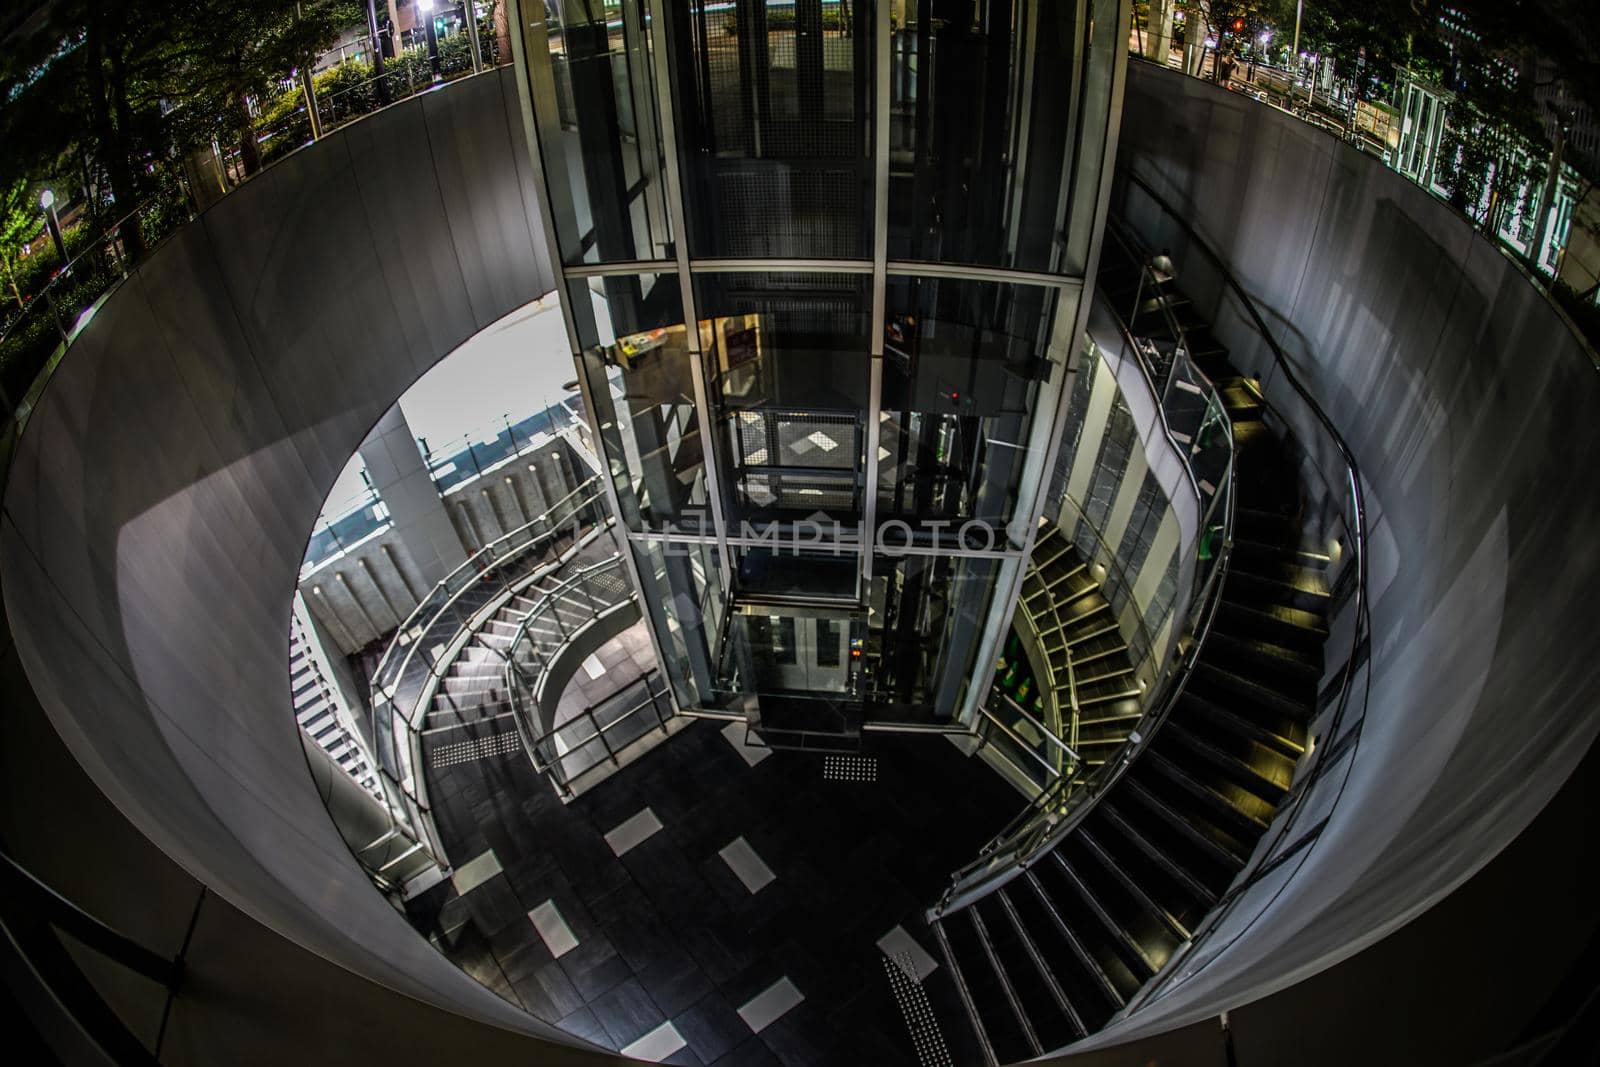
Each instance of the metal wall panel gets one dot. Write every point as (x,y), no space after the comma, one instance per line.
(1470,405)
(164,487)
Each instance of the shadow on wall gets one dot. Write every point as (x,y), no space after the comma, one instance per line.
(161,495)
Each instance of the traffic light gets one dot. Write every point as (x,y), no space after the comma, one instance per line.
(1238,25)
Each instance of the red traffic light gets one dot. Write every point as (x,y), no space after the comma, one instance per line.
(1238,24)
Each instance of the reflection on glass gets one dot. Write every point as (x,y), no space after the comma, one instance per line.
(592,84)
(788,382)
(684,595)
(963,366)
(622,306)
(643,394)
(927,616)
(774,114)
(981,117)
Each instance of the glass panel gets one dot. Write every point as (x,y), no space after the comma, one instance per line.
(643,392)
(981,124)
(788,381)
(592,83)
(786,569)
(684,596)
(774,116)
(963,366)
(926,620)
(604,309)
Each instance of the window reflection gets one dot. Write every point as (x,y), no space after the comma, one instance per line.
(774,117)
(599,133)
(980,117)
(962,367)
(788,372)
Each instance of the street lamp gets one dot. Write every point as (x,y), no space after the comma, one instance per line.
(425,9)
(47,204)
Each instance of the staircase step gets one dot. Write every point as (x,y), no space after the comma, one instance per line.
(1285,739)
(1219,852)
(1225,687)
(1179,874)
(1133,954)
(1047,975)
(1256,791)
(1087,961)
(1289,627)
(1003,981)
(1289,667)
(1242,826)
(1257,557)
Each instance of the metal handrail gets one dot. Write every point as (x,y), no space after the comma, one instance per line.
(1059,808)
(1034,722)
(1362,632)
(1019,741)
(383,678)
(551,597)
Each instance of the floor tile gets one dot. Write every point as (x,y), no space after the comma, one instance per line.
(627,1013)
(582,1023)
(744,862)
(553,929)
(658,1044)
(903,948)
(475,872)
(711,1027)
(753,754)
(674,982)
(766,1007)
(595,968)
(633,831)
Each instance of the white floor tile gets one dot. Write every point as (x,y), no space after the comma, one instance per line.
(749,867)
(753,754)
(633,831)
(657,1045)
(473,873)
(769,1005)
(897,945)
(558,936)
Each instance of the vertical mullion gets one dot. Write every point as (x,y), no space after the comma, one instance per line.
(535,28)
(680,232)
(880,279)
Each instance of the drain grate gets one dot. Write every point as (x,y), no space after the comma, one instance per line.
(501,744)
(850,768)
(926,1037)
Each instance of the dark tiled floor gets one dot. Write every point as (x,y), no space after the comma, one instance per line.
(625,657)
(669,932)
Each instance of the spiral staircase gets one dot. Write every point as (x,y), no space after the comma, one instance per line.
(1055,953)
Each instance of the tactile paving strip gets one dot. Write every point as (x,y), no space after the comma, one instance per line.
(850,768)
(501,744)
(926,1037)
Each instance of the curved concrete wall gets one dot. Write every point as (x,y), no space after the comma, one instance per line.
(1471,407)
(163,490)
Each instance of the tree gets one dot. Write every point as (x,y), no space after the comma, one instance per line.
(87,79)
(232,56)
(20,223)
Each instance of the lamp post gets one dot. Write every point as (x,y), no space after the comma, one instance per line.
(425,9)
(52,221)
(1294,49)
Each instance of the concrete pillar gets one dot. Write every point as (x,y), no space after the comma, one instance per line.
(1158,31)
(400,476)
